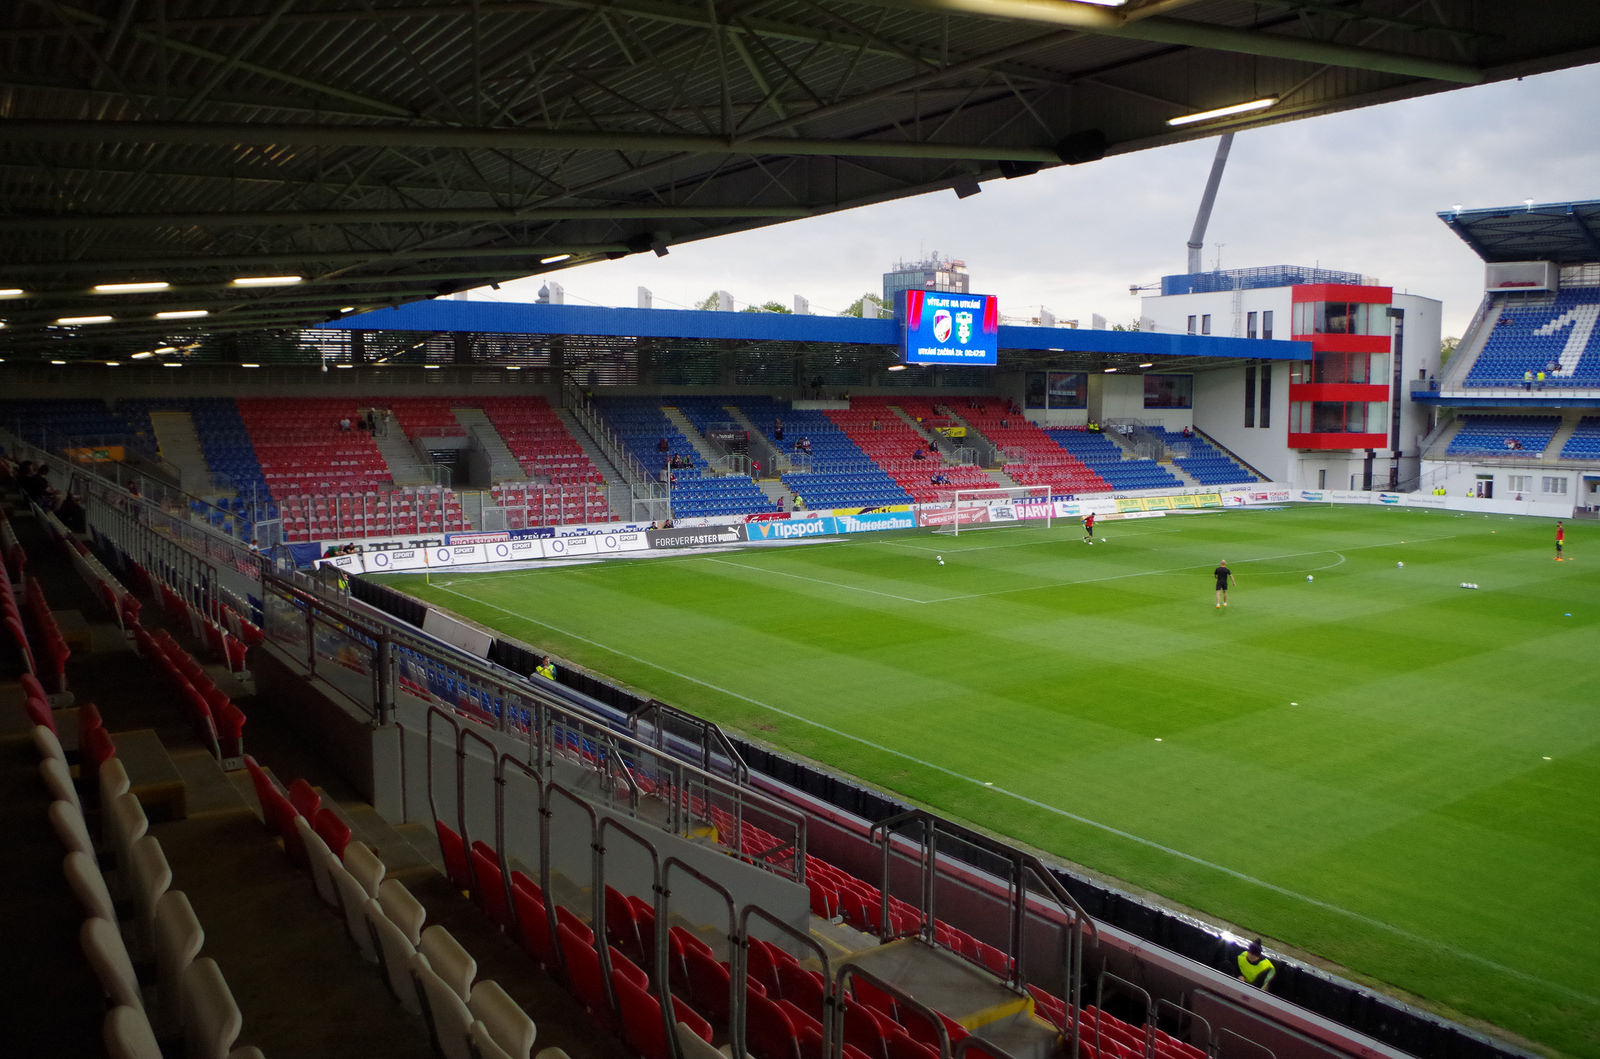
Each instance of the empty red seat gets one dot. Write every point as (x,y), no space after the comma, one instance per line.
(488,884)
(304,798)
(454,851)
(332,830)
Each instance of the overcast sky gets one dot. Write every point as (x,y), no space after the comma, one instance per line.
(1356,191)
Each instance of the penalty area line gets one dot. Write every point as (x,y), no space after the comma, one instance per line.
(1232,873)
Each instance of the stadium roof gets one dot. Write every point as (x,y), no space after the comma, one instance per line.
(523,333)
(1567,233)
(383,151)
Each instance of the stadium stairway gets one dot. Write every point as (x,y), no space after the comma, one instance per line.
(179,444)
(609,470)
(300,985)
(405,468)
(707,456)
(503,466)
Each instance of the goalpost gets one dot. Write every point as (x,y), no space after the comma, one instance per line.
(989,507)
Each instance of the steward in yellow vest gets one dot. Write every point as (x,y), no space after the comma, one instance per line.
(1254,968)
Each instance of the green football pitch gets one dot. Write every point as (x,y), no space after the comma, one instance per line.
(1359,760)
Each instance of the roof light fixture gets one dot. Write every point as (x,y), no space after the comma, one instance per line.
(267,281)
(143,354)
(11,292)
(1224,112)
(248,365)
(1148,364)
(555,259)
(171,364)
(897,367)
(164,350)
(58,362)
(130,288)
(74,321)
(182,314)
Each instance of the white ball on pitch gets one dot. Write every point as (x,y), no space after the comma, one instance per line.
(1102,540)
(1310,578)
(1400,565)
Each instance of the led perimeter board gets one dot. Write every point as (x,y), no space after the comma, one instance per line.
(941,327)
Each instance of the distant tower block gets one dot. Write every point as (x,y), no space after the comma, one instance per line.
(801,306)
(724,301)
(869,309)
(1097,322)
(1046,317)
(553,293)
(646,299)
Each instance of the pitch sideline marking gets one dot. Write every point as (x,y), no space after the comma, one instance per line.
(1058,811)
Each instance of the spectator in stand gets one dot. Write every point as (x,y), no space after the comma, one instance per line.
(344,423)
(546,668)
(918,454)
(777,428)
(663,446)
(804,445)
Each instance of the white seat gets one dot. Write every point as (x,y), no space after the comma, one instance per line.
(103,947)
(56,776)
(693,1046)
(113,782)
(46,743)
(211,1019)
(126,825)
(353,899)
(396,951)
(447,1012)
(484,1043)
(128,1035)
(505,1020)
(178,938)
(319,855)
(449,960)
(149,877)
(361,862)
(70,828)
(403,910)
(89,885)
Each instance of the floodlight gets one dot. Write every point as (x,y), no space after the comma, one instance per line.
(1224,112)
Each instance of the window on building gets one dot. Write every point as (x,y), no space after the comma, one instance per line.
(1520,483)
(1250,325)
(1249,395)
(1555,486)
(1068,389)
(1205,324)
(1169,391)
(1265,419)
(1191,325)
(1266,323)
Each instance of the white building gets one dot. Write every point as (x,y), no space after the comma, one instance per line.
(1341,420)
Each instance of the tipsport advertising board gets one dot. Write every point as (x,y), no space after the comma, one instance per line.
(942,327)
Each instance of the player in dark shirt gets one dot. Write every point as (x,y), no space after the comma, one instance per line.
(1223,576)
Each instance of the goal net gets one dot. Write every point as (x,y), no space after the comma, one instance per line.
(956,510)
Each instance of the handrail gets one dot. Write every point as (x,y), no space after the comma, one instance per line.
(850,970)
(712,732)
(1149,1023)
(1183,1013)
(663,892)
(739,969)
(1056,890)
